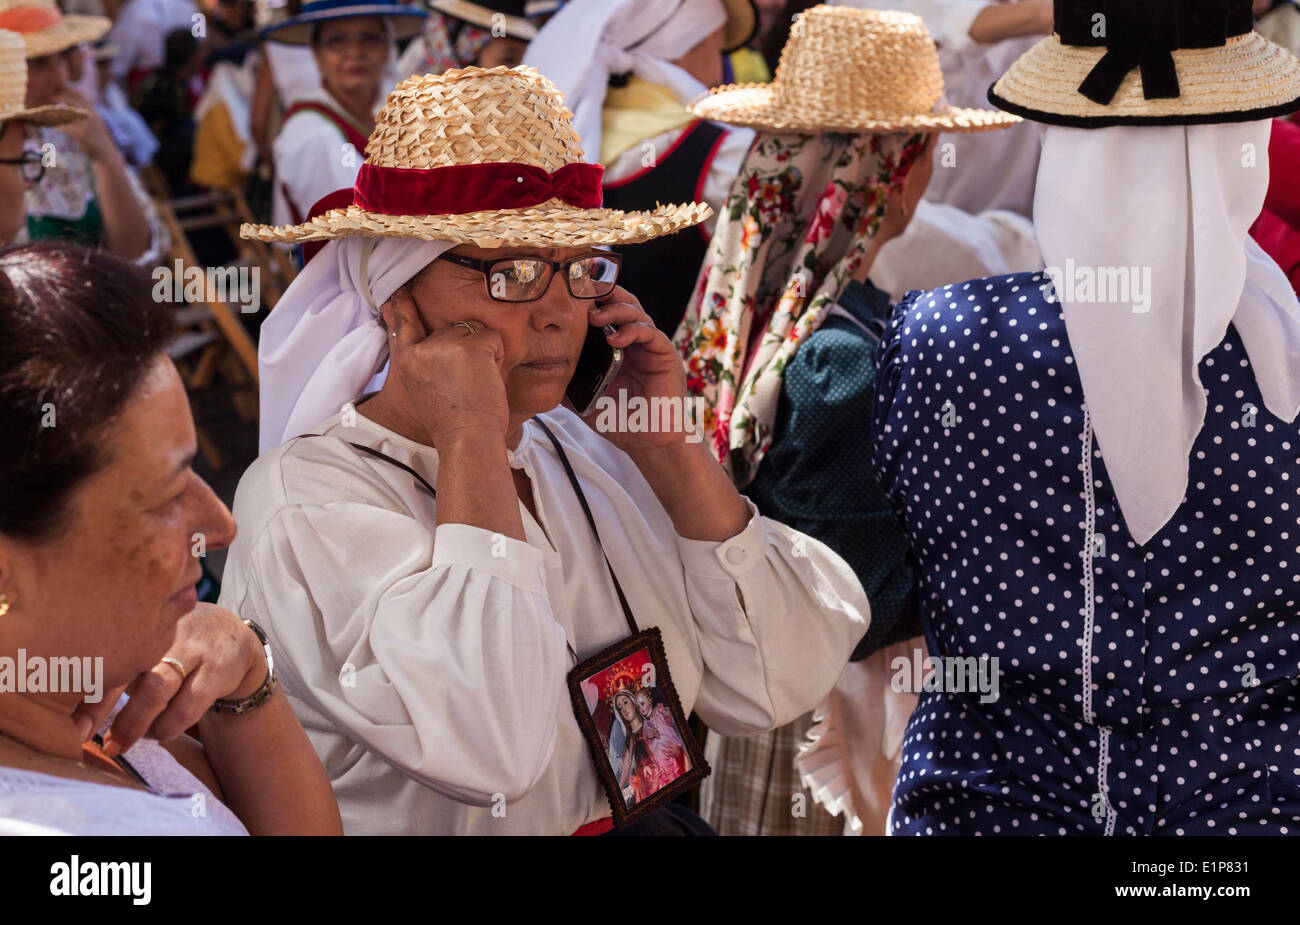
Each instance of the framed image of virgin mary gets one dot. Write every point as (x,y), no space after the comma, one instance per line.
(633,722)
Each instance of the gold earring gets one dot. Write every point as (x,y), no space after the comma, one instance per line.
(4,605)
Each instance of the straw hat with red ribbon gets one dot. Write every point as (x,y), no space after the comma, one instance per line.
(479,156)
(45,30)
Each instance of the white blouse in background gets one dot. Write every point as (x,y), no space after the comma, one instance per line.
(427,663)
(312,159)
(980,170)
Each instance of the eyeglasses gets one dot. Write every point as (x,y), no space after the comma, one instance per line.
(526,279)
(32,165)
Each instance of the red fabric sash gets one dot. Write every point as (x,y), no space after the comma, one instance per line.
(350,131)
(599,827)
(462,188)
(459,189)
(339,199)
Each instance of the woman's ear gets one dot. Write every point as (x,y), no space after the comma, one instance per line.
(8,569)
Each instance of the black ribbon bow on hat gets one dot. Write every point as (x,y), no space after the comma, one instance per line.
(1144,34)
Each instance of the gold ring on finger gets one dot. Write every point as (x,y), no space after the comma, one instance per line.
(467,326)
(175,663)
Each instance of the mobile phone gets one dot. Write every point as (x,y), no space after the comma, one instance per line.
(598,364)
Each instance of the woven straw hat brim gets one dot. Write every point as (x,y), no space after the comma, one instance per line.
(755,106)
(46,115)
(552,224)
(1247,79)
(516,27)
(71,30)
(406,22)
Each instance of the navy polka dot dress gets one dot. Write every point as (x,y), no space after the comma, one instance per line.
(1142,690)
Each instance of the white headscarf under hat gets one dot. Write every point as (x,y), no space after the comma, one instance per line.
(590,40)
(1178,201)
(325,341)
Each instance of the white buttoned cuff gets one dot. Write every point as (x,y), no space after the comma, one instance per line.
(731,558)
(503,557)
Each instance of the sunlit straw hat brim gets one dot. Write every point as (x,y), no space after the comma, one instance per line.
(756,106)
(407,22)
(516,27)
(70,31)
(852,71)
(552,224)
(476,120)
(45,115)
(1247,79)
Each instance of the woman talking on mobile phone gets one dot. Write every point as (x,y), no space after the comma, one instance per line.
(439,550)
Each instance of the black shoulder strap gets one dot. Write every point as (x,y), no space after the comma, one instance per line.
(573,479)
(586,509)
(384,456)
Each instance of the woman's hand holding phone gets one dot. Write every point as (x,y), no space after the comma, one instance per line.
(695,491)
(652,368)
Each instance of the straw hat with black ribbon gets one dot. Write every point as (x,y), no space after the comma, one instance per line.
(1155,156)
(479,156)
(45,29)
(13,88)
(404,21)
(1154,62)
(850,70)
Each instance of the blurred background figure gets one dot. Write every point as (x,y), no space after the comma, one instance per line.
(130,132)
(140,31)
(232,22)
(1279,22)
(225,152)
(88,194)
(165,99)
(628,69)
(20,165)
(283,73)
(322,142)
(460,33)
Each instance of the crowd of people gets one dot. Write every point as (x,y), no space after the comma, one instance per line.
(909,444)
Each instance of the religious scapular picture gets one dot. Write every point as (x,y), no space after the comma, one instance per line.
(644,751)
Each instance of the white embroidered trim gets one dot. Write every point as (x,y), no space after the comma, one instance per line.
(1090,525)
(1103,768)
(1089,617)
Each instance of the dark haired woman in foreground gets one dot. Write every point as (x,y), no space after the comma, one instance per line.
(99,514)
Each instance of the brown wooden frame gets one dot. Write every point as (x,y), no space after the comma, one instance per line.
(647,639)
